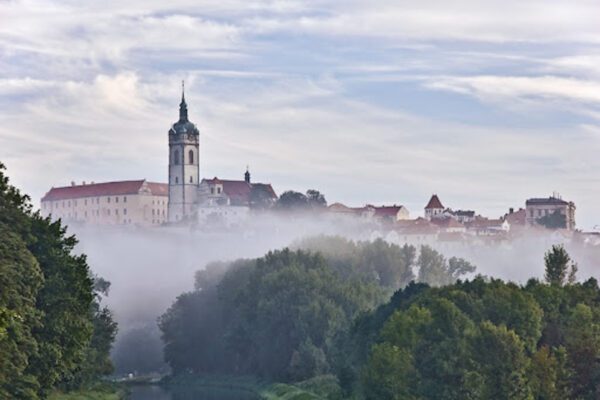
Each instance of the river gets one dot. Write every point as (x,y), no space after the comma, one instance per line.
(154,392)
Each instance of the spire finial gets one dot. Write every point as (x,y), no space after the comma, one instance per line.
(247,174)
(183,112)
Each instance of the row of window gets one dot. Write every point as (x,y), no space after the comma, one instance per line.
(177,161)
(69,203)
(541,213)
(191,179)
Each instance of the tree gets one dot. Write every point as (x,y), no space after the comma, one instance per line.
(20,281)
(292,201)
(49,321)
(558,262)
(435,270)
(556,220)
(316,199)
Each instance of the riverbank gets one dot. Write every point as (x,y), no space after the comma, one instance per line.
(250,388)
(103,391)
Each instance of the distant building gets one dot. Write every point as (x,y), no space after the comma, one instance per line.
(488,227)
(221,192)
(449,225)
(538,208)
(391,213)
(434,208)
(516,218)
(136,202)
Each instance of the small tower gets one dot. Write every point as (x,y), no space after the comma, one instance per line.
(434,208)
(184,165)
(247,176)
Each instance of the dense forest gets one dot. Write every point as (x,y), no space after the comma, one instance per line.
(320,316)
(54,333)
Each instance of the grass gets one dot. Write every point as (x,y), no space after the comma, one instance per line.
(98,392)
(253,387)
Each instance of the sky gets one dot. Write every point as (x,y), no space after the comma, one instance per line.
(486,103)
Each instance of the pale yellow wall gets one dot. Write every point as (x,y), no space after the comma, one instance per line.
(131,209)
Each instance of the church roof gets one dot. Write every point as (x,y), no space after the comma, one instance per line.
(239,191)
(184,125)
(105,189)
(434,202)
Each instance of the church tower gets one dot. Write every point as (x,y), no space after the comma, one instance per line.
(184,165)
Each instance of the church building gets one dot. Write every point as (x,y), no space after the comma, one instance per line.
(190,197)
(186,198)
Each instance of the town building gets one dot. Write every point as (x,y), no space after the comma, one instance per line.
(136,202)
(434,208)
(538,210)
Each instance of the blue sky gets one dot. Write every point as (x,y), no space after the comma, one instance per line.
(485,103)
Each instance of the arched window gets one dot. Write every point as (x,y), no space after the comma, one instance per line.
(176,157)
(191,156)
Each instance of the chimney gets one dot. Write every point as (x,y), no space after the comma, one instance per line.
(511,210)
(83,183)
(72,183)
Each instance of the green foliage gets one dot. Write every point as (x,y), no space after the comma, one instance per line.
(296,201)
(289,315)
(20,281)
(435,270)
(52,329)
(556,220)
(558,262)
(485,340)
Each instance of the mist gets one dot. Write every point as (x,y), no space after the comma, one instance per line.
(150,267)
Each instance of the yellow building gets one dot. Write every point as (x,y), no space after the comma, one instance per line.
(110,203)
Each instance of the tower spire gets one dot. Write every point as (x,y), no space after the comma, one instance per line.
(183,112)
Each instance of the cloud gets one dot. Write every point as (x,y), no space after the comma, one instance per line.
(540,88)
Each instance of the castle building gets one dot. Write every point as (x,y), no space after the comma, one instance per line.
(186,198)
(137,202)
(537,209)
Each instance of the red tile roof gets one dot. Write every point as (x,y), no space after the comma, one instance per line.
(434,202)
(239,191)
(387,211)
(447,223)
(104,189)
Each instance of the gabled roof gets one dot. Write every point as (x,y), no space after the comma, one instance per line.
(239,191)
(387,211)
(104,189)
(434,202)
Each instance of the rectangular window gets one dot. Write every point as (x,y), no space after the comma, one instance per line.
(116,211)
(108,199)
(85,202)
(124,199)
(124,211)
(116,199)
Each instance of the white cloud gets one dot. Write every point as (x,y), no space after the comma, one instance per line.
(542,88)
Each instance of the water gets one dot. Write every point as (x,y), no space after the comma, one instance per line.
(152,392)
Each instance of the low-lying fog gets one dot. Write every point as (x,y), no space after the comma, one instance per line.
(149,268)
